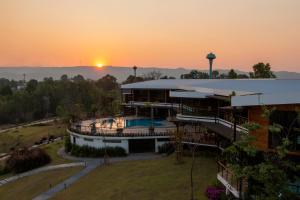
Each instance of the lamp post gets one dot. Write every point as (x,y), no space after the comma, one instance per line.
(211,58)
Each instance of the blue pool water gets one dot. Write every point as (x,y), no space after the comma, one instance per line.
(142,122)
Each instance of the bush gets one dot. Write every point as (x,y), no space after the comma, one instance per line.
(87,151)
(26,159)
(68,144)
(167,148)
(214,193)
(3,170)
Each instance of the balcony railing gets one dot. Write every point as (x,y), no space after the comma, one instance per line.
(152,104)
(200,138)
(295,188)
(213,115)
(88,130)
(228,179)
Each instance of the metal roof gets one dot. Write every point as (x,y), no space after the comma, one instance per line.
(247,91)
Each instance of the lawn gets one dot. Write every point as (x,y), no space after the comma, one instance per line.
(27,136)
(29,187)
(52,149)
(148,180)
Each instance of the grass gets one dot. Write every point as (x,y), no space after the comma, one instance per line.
(27,136)
(148,180)
(52,149)
(29,187)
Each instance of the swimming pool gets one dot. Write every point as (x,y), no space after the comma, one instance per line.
(142,122)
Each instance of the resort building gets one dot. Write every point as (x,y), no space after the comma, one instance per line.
(221,106)
(208,113)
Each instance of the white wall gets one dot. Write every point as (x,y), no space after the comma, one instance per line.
(97,141)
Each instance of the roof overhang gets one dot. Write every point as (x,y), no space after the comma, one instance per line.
(266,99)
(188,94)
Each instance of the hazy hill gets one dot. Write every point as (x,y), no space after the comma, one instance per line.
(121,73)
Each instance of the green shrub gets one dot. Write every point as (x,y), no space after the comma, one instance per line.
(86,151)
(3,170)
(26,159)
(68,144)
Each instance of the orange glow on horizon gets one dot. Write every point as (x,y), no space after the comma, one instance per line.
(169,33)
(99,65)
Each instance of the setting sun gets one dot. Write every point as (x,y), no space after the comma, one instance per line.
(99,65)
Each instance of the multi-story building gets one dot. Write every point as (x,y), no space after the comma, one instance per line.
(222,106)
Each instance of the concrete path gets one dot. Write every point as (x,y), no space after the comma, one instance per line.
(39,170)
(44,121)
(63,185)
(91,163)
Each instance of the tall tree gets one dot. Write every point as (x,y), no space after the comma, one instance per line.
(232,74)
(195,74)
(262,70)
(215,74)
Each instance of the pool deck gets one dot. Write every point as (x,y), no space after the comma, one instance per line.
(165,127)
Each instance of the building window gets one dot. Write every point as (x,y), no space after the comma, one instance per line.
(163,139)
(112,141)
(288,120)
(88,139)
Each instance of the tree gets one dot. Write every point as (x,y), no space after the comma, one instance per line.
(5,90)
(195,74)
(64,77)
(107,82)
(261,70)
(31,85)
(223,76)
(78,78)
(232,74)
(167,77)
(242,76)
(153,75)
(268,173)
(133,79)
(215,74)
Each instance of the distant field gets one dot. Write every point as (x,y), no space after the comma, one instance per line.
(29,187)
(144,180)
(27,136)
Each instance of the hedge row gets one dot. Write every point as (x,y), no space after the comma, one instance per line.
(86,151)
(26,159)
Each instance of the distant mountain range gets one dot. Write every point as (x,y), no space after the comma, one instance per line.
(121,73)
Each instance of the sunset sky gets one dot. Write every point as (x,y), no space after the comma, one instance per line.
(150,33)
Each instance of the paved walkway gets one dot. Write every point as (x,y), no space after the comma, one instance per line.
(43,121)
(91,164)
(63,185)
(39,170)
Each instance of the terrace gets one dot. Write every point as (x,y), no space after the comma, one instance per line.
(125,127)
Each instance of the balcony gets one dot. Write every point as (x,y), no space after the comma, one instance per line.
(233,185)
(217,120)
(151,104)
